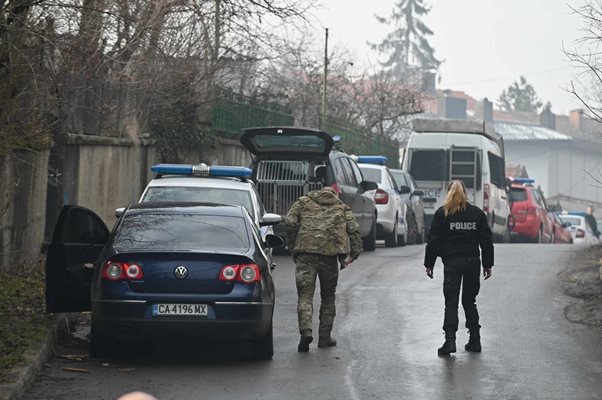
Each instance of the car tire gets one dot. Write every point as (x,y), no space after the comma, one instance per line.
(553,237)
(412,231)
(539,238)
(422,235)
(391,239)
(263,347)
(369,242)
(101,345)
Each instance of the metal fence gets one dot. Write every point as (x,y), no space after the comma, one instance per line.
(355,141)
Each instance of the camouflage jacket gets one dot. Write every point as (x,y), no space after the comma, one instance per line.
(321,223)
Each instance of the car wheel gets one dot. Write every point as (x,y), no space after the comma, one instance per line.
(540,235)
(392,238)
(102,345)
(412,232)
(553,238)
(370,240)
(263,347)
(422,235)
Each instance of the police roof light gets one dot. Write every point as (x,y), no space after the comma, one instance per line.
(380,160)
(202,170)
(524,181)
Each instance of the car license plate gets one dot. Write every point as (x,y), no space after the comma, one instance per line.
(198,310)
(429,205)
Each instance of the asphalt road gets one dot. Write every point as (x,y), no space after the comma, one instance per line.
(388,328)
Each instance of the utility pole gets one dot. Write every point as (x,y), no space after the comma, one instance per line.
(325,83)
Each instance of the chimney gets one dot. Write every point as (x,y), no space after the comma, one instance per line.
(576,117)
(452,107)
(547,118)
(487,110)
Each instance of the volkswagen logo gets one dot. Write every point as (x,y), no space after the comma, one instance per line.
(181,272)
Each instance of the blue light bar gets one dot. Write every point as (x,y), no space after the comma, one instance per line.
(202,170)
(380,160)
(524,181)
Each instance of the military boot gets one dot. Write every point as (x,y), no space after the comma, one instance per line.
(474,341)
(305,340)
(449,346)
(327,341)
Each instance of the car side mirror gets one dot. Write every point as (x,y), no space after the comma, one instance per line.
(119,211)
(551,208)
(272,241)
(566,224)
(270,219)
(366,186)
(418,193)
(404,189)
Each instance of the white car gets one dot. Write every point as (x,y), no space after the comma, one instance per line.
(580,230)
(391,224)
(228,185)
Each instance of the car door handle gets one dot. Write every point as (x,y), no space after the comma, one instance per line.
(503,197)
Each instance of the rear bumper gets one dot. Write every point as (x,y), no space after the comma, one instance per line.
(527,229)
(124,319)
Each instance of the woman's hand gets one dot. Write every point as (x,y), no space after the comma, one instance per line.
(487,273)
(429,272)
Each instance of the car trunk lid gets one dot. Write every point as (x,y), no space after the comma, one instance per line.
(287,142)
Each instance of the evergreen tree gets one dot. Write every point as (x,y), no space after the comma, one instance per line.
(520,96)
(407,45)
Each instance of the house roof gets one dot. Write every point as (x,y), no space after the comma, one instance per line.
(517,131)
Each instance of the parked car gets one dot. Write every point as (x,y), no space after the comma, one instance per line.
(207,184)
(413,198)
(562,231)
(580,230)
(529,210)
(166,270)
(288,162)
(391,223)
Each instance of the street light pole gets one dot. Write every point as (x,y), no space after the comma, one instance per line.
(325,83)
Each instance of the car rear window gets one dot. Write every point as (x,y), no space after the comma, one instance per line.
(575,221)
(181,231)
(518,194)
(428,165)
(372,174)
(199,194)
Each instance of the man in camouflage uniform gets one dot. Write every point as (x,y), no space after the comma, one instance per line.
(321,232)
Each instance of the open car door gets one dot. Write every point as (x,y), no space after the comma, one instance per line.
(276,142)
(79,237)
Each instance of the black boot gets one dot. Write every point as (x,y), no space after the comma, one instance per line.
(327,341)
(305,340)
(474,342)
(449,346)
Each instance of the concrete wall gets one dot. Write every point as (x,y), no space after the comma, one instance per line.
(561,167)
(22,207)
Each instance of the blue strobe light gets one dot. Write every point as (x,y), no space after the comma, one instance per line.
(202,170)
(524,181)
(380,160)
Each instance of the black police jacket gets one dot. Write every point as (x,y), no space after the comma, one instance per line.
(459,235)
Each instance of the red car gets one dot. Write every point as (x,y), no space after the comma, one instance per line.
(562,232)
(529,210)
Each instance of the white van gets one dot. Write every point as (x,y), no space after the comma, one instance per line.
(440,150)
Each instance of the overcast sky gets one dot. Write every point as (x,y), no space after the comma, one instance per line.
(485,44)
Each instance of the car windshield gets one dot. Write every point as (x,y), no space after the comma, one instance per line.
(575,221)
(371,174)
(181,231)
(199,194)
(518,194)
(428,165)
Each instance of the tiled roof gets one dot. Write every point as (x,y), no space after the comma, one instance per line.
(516,131)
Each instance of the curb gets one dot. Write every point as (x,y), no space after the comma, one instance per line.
(35,358)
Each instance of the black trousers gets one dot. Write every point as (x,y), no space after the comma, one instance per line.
(467,269)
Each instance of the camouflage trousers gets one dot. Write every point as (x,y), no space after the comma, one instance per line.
(310,266)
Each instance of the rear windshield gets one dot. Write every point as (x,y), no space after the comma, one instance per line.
(428,165)
(199,194)
(575,221)
(517,194)
(372,174)
(181,232)
(308,143)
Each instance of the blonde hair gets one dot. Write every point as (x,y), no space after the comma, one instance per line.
(455,201)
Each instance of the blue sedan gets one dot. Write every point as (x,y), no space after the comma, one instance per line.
(166,269)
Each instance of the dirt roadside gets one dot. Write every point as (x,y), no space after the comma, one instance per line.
(582,281)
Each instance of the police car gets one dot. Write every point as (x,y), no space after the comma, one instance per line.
(208,184)
(391,223)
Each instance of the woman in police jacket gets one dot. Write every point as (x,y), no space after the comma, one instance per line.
(457,231)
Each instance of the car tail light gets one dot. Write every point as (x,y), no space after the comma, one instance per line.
(245,273)
(336,188)
(531,211)
(118,271)
(580,233)
(486,197)
(381,197)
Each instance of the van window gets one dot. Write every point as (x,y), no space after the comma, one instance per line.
(496,169)
(428,165)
